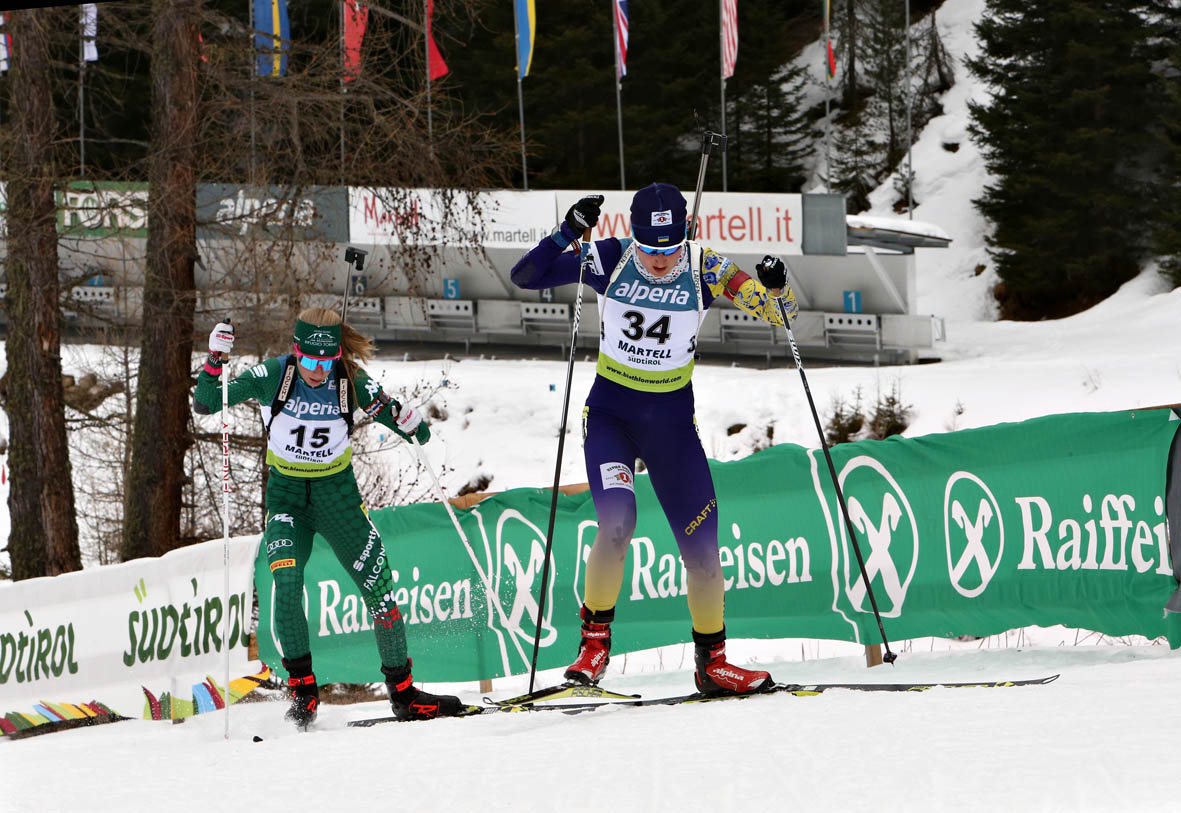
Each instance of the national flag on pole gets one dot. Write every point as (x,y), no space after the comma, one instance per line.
(356,17)
(438,67)
(272,37)
(729,37)
(89,22)
(620,38)
(831,58)
(5,43)
(526,16)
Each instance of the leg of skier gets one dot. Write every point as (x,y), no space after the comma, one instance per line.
(288,540)
(343,522)
(610,463)
(681,479)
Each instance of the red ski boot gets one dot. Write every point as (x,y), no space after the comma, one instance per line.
(305,694)
(594,652)
(716,676)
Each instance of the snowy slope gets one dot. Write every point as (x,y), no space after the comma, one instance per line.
(1100,738)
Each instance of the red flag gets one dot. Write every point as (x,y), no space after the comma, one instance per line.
(438,67)
(729,37)
(832,61)
(356,17)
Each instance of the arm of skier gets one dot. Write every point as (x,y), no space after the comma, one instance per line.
(387,411)
(549,265)
(724,278)
(260,381)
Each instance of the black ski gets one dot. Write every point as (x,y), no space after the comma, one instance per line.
(541,700)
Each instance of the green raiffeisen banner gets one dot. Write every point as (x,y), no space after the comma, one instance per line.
(1059,520)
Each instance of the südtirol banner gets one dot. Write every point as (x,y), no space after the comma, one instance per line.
(108,633)
(1058,520)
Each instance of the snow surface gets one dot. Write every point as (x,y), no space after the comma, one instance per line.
(1103,737)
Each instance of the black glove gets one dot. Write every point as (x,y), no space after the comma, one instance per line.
(772,273)
(584,214)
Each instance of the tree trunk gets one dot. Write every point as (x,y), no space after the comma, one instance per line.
(43,540)
(162,435)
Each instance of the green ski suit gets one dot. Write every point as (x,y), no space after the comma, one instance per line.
(310,489)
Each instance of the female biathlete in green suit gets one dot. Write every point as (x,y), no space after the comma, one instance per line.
(311,488)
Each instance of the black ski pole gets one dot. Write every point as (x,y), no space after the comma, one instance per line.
(355,257)
(553,507)
(889,657)
(709,140)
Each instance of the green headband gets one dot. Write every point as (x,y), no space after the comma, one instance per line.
(320,341)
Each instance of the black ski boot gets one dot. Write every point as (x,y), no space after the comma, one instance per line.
(410,703)
(305,694)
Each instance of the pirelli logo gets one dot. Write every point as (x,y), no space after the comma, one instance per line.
(280,563)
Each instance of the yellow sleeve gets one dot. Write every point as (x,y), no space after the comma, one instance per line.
(724,278)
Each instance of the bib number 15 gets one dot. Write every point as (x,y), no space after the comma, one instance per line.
(319,437)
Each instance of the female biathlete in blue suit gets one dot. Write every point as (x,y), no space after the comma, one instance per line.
(654,289)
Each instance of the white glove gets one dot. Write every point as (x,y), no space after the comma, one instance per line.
(221,340)
(408,419)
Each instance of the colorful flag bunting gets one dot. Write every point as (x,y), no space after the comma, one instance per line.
(729,37)
(356,18)
(438,67)
(526,17)
(272,37)
(89,20)
(620,38)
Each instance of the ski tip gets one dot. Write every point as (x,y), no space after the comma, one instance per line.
(257,738)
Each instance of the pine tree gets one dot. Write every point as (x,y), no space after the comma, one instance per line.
(1167,213)
(857,158)
(776,134)
(884,56)
(771,137)
(1062,134)
(934,72)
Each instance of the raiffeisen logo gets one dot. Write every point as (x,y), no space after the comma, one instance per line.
(887,535)
(974,532)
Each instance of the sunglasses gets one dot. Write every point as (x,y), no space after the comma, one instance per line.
(663,252)
(312,363)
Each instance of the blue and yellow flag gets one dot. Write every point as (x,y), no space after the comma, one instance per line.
(526,17)
(272,37)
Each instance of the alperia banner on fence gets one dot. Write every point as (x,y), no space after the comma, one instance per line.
(1058,520)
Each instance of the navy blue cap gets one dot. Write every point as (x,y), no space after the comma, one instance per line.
(658,215)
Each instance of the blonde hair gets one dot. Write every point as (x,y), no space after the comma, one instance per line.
(354,348)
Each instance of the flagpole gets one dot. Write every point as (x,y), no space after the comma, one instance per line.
(618,87)
(82,108)
(722,75)
(343,12)
(82,104)
(520,96)
(253,79)
(909,138)
(827,102)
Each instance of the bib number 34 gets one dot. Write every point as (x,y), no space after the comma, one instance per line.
(658,330)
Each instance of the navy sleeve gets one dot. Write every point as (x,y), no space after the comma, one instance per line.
(549,265)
